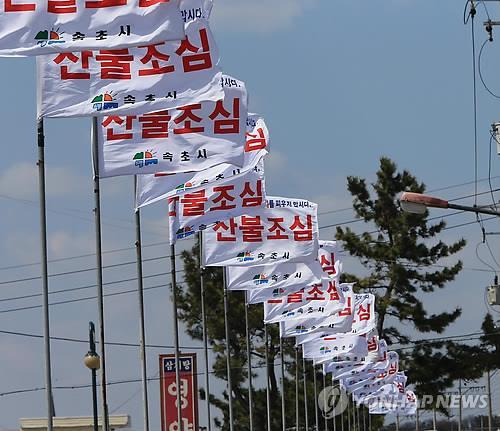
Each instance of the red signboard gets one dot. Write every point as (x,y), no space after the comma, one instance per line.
(189,393)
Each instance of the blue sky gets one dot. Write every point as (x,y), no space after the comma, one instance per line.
(339,83)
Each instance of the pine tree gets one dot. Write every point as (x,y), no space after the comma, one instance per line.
(402,257)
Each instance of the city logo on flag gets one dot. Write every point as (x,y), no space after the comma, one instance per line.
(185,186)
(278,292)
(260,279)
(324,350)
(46,37)
(245,256)
(145,158)
(185,232)
(300,329)
(104,101)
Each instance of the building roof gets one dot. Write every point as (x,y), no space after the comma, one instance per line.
(83,423)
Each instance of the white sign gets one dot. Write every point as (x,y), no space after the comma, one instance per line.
(154,188)
(216,205)
(188,138)
(285,231)
(146,78)
(36,27)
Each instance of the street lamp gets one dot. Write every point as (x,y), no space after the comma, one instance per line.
(418,203)
(93,362)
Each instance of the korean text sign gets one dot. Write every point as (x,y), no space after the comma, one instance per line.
(36,27)
(189,392)
(211,204)
(303,302)
(286,230)
(146,78)
(153,188)
(188,138)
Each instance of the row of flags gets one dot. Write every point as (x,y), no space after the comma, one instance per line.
(150,71)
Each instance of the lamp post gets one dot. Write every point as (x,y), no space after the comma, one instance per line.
(93,362)
(418,203)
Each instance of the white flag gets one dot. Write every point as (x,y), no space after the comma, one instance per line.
(162,141)
(269,277)
(340,347)
(359,319)
(154,188)
(210,206)
(328,256)
(285,231)
(359,377)
(327,294)
(146,78)
(256,296)
(341,320)
(394,389)
(33,27)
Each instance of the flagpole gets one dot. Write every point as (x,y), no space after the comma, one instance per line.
(397,422)
(296,387)
(304,375)
(324,402)
(417,424)
(268,389)
(349,414)
(204,328)
(100,295)
(364,419)
(175,321)
(334,422)
(249,363)
(45,274)
(359,420)
(370,421)
(315,380)
(140,292)
(228,353)
(283,411)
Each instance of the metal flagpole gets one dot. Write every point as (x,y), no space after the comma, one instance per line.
(316,416)
(364,419)
(228,353)
(397,422)
(417,425)
(370,422)
(460,405)
(283,411)
(296,387)
(490,411)
(359,420)
(45,276)
(140,292)
(204,329)
(349,414)
(353,416)
(324,402)
(268,389)
(434,418)
(249,363)
(304,375)
(175,321)
(334,416)
(100,298)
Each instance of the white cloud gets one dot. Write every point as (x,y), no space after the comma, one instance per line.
(258,16)
(21,181)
